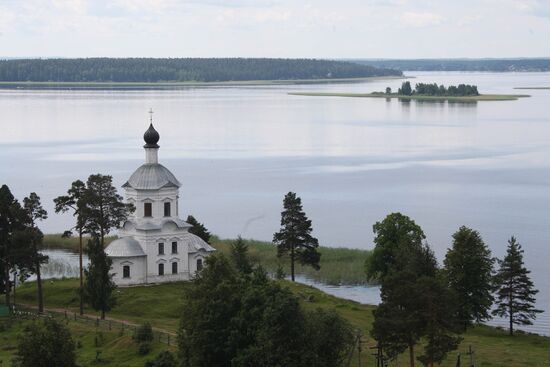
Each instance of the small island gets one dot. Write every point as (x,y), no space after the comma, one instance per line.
(426,92)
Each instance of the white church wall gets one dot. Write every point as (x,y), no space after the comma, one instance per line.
(137,270)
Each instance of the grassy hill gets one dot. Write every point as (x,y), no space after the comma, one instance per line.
(492,347)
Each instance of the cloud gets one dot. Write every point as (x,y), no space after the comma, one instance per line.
(425,19)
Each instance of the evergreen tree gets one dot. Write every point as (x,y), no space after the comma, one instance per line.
(35,212)
(99,286)
(395,234)
(198,229)
(75,202)
(515,291)
(13,254)
(104,208)
(400,319)
(469,270)
(46,343)
(239,255)
(294,238)
(405,89)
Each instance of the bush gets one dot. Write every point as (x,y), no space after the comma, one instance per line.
(144,333)
(46,343)
(144,348)
(164,359)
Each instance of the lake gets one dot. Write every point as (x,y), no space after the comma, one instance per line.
(238,150)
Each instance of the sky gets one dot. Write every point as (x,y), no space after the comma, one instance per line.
(275,28)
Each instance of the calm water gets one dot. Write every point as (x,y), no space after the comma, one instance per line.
(238,150)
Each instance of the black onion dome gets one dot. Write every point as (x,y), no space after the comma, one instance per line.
(151,137)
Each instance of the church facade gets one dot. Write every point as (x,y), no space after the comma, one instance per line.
(154,244)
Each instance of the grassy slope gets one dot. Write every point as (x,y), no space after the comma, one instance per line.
(116,350)
(481,97)
(535,88)
(338,265)
(160,305)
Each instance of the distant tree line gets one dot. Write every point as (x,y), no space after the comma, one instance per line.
(180,70)
(499,65)
(427,89)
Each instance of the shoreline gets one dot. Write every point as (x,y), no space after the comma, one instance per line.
(481,97)
(174,85)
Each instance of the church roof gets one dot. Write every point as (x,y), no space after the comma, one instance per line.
(152,176)
(124,247)
(196,243)
(151,137)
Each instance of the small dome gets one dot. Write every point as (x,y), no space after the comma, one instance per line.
(124,247)
(151,176)
(151,137)
(196,243)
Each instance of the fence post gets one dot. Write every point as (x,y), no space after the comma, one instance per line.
(168,339)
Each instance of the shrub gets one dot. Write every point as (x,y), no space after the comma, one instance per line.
(144,348)
(144,333)
(163,359)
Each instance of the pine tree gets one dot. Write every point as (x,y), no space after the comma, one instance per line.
(104,208)
(75,201)
(198,229)
(469,270)
(35,212)
(515,290)
(239,255)
(295,237)
(99,285)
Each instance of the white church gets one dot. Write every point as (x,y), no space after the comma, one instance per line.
(154,244)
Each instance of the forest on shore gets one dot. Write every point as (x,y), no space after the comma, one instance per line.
(495,65)
(154,70)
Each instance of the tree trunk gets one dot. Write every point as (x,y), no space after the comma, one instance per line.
(14,285)
(81,270)
(292,262)
(8,289)
(511,313)
(411,355)
(39,288)
(102,314)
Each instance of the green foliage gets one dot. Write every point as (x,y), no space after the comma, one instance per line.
(99,286)
(394,235)
(469,271)
(497,65)
(233,320)
(239,255)
(164,359)
(46,343)
(405,89)
(515,293)
(294,238)
(198,229)
(180,69)
(104,209)
(144,348)
(144,333)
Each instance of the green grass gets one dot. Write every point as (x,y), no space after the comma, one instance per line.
(116,349)
(160,305)
(481,97)
(338,265)
(169,85)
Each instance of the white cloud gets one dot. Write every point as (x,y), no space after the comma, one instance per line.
(426,19)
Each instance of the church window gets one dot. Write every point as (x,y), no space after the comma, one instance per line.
(147,209)
(174,247)
(199,264)
(161,248)
(161,269)
(174,267)
(126,271)
(167,209)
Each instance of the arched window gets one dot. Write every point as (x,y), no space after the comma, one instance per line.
(199,264)
(161,269)
(126,271)
(174,267)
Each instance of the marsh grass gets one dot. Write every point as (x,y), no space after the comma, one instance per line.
(339,266)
